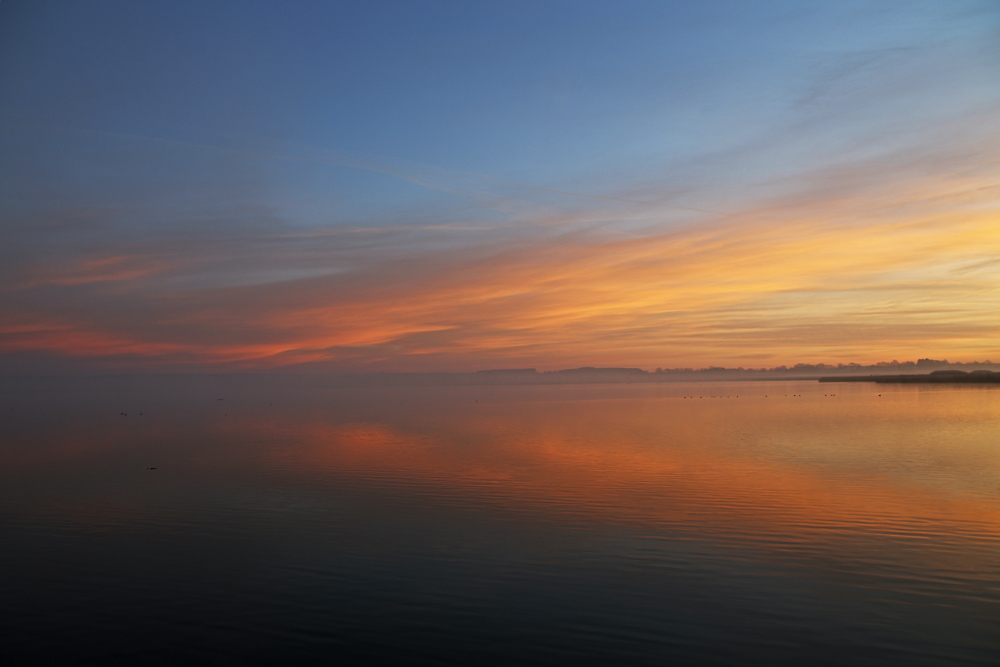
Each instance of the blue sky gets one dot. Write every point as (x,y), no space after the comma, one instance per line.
(445,130)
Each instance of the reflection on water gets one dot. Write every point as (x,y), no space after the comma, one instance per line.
(627,524)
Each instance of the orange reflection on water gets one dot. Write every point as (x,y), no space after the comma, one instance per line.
(767,469)
(832,476)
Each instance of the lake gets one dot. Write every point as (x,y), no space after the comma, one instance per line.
(255,520)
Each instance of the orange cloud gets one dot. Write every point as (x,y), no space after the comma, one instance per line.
(852,273)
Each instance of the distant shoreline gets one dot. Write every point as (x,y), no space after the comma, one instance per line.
(936,377)
(923,371)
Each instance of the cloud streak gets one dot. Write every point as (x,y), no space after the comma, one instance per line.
(832,272)
(822,189)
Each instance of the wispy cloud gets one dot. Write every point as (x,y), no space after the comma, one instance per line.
(836,270)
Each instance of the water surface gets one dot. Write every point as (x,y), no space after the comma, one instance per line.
(285,520)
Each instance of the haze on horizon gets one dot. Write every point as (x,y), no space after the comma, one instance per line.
(447,186)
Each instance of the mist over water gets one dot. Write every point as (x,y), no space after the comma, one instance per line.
(253,520)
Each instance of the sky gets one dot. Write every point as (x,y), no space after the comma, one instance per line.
(453,186)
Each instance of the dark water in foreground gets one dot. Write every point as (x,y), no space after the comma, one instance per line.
(616,524)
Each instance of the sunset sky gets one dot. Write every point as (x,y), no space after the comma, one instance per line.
(417,186)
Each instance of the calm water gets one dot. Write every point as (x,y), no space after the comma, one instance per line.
(616,524)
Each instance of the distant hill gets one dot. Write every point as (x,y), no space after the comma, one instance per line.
(597,375)
(936,377)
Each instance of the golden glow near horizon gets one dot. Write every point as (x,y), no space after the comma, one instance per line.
(905,274)
(770,189)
